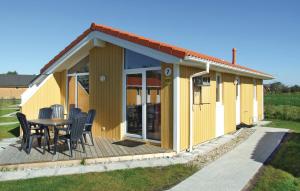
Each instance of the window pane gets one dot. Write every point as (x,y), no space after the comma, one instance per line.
(134,103)
(153,105)
(71,92)
(135,60)
(81,67)
(83,92)
(218,81)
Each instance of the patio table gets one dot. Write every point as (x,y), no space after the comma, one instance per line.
(58,124)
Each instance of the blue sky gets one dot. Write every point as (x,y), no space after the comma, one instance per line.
(265,33)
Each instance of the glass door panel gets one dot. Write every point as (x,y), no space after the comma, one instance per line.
(134,104)
(153,87)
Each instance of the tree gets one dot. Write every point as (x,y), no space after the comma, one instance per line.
(12,73)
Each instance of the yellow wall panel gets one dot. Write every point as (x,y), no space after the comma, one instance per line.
(106,97)
(229,97)
(204,114)
(48,94)
(246,100)
(166,109)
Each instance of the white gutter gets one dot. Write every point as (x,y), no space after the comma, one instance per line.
(230,68)
(191,103)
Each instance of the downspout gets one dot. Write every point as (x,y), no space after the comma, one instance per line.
(191,104)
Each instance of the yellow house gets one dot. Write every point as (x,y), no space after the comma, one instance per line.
(148,90)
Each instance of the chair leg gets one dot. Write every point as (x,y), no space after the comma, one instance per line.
(91,137)
(29,145)
(46,137)
(44,143)
(82,144)
(70,147)
(84,136)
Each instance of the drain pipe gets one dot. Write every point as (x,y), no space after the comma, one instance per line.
(191,104)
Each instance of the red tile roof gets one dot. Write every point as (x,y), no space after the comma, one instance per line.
(163,47)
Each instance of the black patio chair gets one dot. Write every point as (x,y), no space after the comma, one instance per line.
(57,111)
(75,134)
(89,124)
(45,113)
(28,137)
(72,114)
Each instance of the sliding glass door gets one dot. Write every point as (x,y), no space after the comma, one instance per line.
(143,103)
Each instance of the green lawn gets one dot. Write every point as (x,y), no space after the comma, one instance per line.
(8,131)
(159,178)
(283,106)
(282,172)
(283,99)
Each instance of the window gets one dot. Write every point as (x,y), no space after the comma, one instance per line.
(81,67)
(134,60)
(218,88)
(237,87)
(78,85)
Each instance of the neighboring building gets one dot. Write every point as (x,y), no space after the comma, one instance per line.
(12,86)
(148,90)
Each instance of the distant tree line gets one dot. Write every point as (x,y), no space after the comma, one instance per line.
(11,73)
(278,87)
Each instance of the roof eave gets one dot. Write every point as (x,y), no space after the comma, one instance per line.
(228,68)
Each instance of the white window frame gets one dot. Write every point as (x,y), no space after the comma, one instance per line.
(142,71)
(220,89)
(76,88)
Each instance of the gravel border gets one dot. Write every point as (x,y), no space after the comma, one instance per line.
(203,160)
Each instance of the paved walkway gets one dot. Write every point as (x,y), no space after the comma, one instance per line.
(232,171)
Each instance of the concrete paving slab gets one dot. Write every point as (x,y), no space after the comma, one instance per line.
(232,171)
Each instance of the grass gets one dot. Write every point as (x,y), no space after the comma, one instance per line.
(283,99)
(8,131)
(159,178)
(282,172)
(292,125)
(9,102)
(284,106)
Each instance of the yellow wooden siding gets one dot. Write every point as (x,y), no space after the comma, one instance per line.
(260,99)
(48,94)
(166,109)
(229,97)
(247,100)
(106,97)
(204,114)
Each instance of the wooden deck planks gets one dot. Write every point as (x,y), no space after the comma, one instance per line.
(103,148)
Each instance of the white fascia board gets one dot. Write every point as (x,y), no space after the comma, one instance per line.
(193,61)
(66,56)
(167,58)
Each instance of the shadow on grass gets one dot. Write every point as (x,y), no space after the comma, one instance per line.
(15,131)
(285,157)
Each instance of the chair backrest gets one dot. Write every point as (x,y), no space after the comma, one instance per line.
(24,124)
(78,126)
(73,112)
(90,119)
(45,113)
(57,111)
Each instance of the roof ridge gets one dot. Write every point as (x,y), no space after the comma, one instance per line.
(147,42)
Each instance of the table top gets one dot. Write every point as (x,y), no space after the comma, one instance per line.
(51,122)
